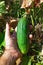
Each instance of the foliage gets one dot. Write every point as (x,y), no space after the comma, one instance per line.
(2,8)
(35,18)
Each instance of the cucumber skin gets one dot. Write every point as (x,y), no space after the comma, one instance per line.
(22,35)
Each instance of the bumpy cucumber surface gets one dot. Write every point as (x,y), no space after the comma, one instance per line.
(22,35)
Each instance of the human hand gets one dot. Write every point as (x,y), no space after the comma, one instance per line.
(11,52)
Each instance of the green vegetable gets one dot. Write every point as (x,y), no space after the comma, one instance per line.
(22,35)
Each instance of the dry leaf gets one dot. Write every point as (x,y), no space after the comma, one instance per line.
(26,3)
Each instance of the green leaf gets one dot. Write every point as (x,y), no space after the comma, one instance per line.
(2,41)
(38,63)
(32,20)
(25,60)
(29,62)
(2,7)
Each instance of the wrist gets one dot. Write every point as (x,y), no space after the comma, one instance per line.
(13,52)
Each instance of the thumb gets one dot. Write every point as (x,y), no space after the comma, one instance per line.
(7,33)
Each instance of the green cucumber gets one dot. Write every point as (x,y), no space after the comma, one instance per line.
(22,35)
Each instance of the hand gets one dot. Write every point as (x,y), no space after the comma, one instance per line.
(11,52)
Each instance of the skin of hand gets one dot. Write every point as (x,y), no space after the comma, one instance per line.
(11,52)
